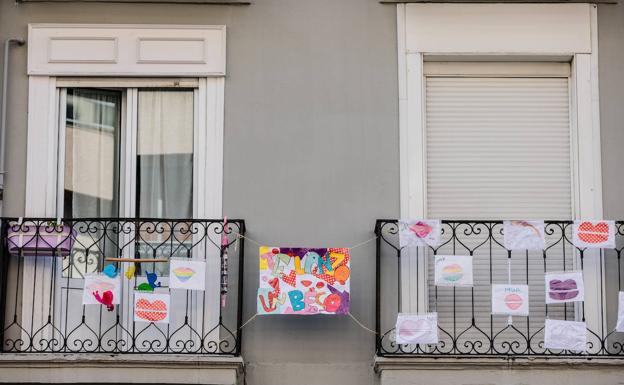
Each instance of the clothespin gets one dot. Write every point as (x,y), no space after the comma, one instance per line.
(20,220)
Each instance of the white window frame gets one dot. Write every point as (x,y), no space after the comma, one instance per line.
(561,41)
(156,62)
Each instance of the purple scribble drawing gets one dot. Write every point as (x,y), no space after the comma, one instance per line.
(562,290)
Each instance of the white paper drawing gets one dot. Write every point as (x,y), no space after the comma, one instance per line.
(593,234)
(453,270)
(96,285)
(566,335)
(417,328)
(187,274)
(419,232)
(151,307)
(620,321)
(510,299)
(524,235)
(564,287)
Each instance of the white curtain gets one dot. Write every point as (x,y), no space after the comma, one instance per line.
(165,154)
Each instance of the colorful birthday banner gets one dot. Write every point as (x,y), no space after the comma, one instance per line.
(304,281)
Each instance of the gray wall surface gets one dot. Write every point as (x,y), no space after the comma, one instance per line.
(611,71)
(311,148)
(311,151)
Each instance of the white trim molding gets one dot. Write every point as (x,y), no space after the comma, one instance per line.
(523,32)
(126,50)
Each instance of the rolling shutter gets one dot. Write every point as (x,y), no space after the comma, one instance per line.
(497,147)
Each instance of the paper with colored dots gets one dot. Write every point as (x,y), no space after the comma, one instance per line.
(304,281)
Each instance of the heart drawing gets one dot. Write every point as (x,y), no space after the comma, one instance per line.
(183,273)
(593,233)
(421,229)
(151,311)
(414,330)
(513,301)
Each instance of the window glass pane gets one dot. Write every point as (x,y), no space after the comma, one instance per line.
(91,184)
(165,154)
(92,153)
(164,173)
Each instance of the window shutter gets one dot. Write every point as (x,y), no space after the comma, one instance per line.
(498,147)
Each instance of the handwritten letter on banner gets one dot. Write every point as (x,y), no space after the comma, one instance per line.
(304,280)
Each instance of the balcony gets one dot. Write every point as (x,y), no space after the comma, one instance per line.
(466,327)
(44,265)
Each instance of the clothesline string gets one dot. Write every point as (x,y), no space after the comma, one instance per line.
(354,318)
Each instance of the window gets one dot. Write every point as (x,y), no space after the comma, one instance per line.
(498,146)
(101,141)
(95,184)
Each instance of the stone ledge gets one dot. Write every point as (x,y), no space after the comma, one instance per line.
(485,362)
(116,368)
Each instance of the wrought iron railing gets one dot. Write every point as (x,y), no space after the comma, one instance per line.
(466,327)
(43,264)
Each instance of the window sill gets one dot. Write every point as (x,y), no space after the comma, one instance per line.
(504,362)
(120,368)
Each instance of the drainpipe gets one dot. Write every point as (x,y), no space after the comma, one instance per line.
(5,77)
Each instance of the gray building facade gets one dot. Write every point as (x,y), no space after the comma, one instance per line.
(311,156)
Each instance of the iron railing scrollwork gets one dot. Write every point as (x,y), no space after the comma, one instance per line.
(466,327)
(42,277)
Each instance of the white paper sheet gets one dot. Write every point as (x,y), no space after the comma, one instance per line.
(417,328)
(419,232)
(594,234)
(187,274)
(524,235)
(620,321)
(151,307)
(100,283)
(453,270)
(567,335)
(510,299)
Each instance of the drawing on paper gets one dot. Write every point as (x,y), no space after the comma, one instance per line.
(564,287)
(187,274)
(510,299)
(416,328)
(453,270)
(304,281)
(100,289)
(419,232)
(593,234)
(151,307)
(524,235)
